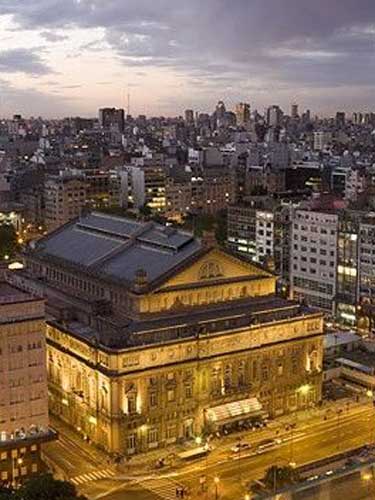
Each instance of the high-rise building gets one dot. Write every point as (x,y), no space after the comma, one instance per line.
(189,116)
(294,111)
(243,113)
(64,197)
(259,230)
(23,384)
(340,119)
(274,116)
(156,337)
(112,119)
(347,267)
(321,140)
(313,258)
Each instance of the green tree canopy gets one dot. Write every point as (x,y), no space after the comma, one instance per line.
(277,477)
(42,487)
(8,241)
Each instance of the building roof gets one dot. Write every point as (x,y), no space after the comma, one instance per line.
(116,247)
(340,338)
(11,294)
(174,326)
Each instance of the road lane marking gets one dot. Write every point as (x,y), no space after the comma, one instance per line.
(93,476)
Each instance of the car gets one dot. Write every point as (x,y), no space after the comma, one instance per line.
(240,447)
(267,444)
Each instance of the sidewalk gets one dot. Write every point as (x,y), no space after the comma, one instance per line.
(277,427)
(145,463)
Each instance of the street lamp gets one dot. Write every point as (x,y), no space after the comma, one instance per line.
(198,440)
(216,481)
(247,497)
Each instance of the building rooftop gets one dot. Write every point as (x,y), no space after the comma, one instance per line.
(10,293)
(116,248)
(211,320)
(340,338)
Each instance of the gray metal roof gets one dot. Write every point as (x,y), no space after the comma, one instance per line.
(156,261)
(118,247)
(78,246)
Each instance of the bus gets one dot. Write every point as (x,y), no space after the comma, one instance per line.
(194,453)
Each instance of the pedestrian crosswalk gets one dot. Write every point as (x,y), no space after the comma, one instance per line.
(164,488)
(92,476)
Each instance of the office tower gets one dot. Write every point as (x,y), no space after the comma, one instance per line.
(294,111)
(112,119)
(189,116)
(274,116)
(242,113)
(340,119)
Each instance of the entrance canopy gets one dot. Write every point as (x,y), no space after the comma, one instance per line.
(238,410)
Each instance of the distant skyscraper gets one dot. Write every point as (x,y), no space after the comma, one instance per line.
(340,118)
(112,118)
(242,113)
(294,111)
(189,116)
(274,116)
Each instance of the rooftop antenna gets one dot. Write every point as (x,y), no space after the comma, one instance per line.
(128,102)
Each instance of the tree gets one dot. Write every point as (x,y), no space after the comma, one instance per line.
(45,487)
(145,210)
(278,477)
(8,241)
(6,493)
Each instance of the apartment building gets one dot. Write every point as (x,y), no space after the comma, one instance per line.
(65,197)
(314,258)
(23,384)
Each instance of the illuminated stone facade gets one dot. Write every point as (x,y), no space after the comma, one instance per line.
(23,384)
(136,365)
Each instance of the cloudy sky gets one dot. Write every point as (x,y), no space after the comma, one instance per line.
(69,57)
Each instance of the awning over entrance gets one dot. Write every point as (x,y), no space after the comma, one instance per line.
(238,410)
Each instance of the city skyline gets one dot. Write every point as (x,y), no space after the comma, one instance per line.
(70,58)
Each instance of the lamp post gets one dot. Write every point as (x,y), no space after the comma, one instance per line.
(216,481)
(338,413)
(290,427)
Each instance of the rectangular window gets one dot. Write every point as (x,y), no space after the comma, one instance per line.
(131,442)
(153,399)
(153,436)
(170,395)
(188,391)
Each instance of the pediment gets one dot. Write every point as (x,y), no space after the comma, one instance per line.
(216,265)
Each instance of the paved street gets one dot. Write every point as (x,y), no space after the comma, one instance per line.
(312,440)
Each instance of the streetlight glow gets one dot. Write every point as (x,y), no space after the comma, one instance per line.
(304,389)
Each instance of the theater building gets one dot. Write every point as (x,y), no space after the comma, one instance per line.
(155,337)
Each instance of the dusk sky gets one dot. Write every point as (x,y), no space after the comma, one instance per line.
(70,57)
